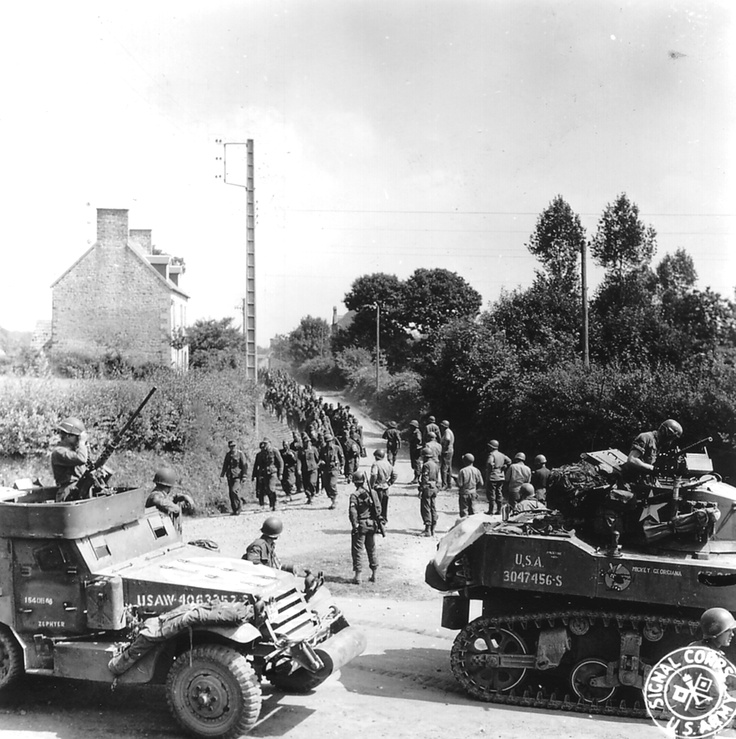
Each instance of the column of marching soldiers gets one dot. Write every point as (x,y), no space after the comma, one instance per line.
(327,444)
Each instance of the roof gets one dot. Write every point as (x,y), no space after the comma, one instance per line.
(140,257)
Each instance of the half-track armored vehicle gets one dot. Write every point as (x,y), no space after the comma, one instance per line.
(568,618)
(105,589)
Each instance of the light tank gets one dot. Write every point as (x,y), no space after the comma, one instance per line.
(579,601)
(105,589)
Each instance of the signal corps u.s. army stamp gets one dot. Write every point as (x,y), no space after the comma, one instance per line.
(687,693)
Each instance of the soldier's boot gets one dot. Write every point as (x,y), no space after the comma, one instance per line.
(373,575)
(356,578)
(427,531)
(431,530)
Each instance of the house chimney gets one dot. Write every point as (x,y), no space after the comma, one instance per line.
(112,227)
(141,237)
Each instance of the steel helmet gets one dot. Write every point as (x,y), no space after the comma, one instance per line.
(526,490)
(670,428)
(716,621)
(468,458)
(431,419)
(71,425)
(414,423)
(359,478)
(520,456)
(493,444)
(272,526)
(379,454)
(540,459)
(165,476)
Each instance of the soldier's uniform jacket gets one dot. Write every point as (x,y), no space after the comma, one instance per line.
(362,504)
(331,456)
(263,551)
(415,439)
(496,466)
(393,438)
(432,428)
(310,458)
(268,462)
(469,480)
(383,475)
(235,465)
(430,475)
(435,448)
(448,440)
(67,464)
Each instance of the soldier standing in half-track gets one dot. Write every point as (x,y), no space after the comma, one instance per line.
(640,464)
(160,497)
(263,549)
(69,458)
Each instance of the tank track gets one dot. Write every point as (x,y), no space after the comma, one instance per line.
(570,702)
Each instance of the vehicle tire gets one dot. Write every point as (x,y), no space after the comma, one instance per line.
(11,658)
(213,692)
(474,654)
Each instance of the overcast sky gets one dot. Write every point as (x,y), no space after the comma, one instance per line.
(389,135)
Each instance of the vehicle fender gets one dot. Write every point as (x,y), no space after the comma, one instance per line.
(240,633)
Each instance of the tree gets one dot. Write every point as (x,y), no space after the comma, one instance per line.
(436,297)
(676,273)
(557,242)
(310,339)
(622,242)
(386,291)
(215,344)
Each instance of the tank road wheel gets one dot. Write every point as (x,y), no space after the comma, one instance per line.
(213,692)
(482,659)
(11,658)
(581,675)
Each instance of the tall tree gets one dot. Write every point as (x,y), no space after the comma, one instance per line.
(676,273)
(367,291)
(310,339)
(557,242)
(622,242)
(436,297)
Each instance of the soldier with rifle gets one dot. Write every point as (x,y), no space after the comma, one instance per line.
(366,522)
(74,475)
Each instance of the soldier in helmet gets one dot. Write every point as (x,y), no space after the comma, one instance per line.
(234,468)
(161,497)
(383,476)
(364,513)
(469,481)
(496,465)
(416,442)
(267,469)
(429,482)
(69,459)
(640,464)
(717,626)
(516,475)
(540,475)
(393,441)
(331,464)
(528,501)
(263,549)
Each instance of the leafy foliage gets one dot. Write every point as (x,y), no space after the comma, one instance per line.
(216,345)
(557,241)
(622,242)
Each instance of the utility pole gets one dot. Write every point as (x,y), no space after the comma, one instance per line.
(378,343)
(233,175)
(584,290)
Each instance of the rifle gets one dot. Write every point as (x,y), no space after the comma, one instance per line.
(374,512)
(90,481)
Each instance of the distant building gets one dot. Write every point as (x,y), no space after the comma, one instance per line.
(121,295)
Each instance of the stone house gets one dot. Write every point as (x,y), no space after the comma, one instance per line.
(121,296)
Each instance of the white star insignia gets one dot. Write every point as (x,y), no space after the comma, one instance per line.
(652,511)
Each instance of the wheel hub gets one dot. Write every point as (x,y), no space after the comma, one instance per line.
(208,696)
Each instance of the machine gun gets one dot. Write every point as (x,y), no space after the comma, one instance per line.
(672,462)
(95,478)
